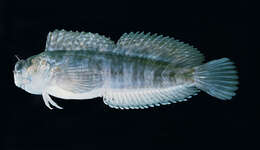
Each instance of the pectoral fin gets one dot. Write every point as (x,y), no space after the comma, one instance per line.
(48,101)
(77,79)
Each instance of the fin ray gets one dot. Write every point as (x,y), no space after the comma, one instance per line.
(217,78)
(78,79)
(140,99)
(159,48)
(68,40)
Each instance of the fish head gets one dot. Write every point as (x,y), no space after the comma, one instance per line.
(30,74)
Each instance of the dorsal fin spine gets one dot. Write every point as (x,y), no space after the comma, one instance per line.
(68,40)
(156,40)
(135,37)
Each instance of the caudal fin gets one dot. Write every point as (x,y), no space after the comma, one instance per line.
(217,78)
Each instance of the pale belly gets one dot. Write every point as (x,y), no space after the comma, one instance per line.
(61,93)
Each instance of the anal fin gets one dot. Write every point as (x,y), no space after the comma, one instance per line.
(144,98)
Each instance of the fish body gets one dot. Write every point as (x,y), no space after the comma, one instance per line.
(140,71)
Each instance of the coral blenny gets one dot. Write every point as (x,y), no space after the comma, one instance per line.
(139,71)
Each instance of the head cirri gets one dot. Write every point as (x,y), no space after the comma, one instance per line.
(29,74)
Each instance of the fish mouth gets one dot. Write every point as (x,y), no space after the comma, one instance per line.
(16,82)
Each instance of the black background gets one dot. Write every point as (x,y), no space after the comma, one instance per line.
(217,29)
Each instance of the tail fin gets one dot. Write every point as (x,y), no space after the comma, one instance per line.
(218,78)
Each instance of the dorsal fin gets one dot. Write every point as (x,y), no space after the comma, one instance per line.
(137,44)
(68,40)
(159,48)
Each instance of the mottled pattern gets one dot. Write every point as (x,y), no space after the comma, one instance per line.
(128,81)
(118,71)
(133,73)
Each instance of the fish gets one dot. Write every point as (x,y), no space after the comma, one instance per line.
(140,70)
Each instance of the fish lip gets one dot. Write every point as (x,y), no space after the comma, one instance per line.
(20,85)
